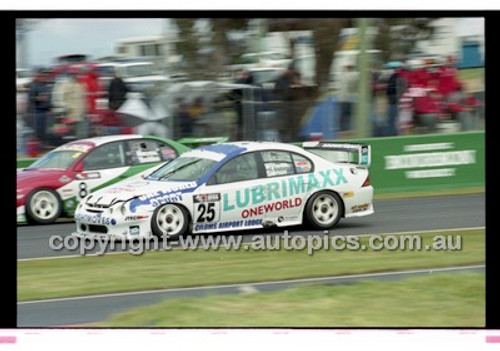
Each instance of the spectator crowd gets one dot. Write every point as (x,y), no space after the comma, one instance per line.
(421,97)
(62,103)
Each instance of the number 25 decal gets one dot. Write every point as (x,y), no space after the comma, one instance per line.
(207,212)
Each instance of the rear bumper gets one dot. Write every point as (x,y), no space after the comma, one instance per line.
(360,204)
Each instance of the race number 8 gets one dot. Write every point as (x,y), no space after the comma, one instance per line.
(207,212)
(83,190)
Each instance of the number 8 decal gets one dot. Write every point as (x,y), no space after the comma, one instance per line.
(83,190)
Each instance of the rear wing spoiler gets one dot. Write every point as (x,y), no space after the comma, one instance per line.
(359,154)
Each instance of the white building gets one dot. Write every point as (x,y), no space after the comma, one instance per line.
(450,35)
(158,46)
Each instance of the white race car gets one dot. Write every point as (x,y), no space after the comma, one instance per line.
(235,186)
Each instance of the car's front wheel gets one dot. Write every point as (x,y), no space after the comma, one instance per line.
(43,206)
(324,209)
(171,220)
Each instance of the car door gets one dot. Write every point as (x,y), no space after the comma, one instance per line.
(286,185)
(232,197)
(103,166)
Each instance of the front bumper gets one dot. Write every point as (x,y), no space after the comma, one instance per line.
(109,225)
(21,214)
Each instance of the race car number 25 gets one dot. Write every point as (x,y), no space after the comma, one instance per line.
(207,212)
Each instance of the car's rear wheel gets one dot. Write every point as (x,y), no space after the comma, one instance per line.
(43,206)
(171,220)
(324,209)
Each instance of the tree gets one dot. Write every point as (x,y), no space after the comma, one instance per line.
(192,41)
(325,37)
(189,45)
(397,37)
(220,42)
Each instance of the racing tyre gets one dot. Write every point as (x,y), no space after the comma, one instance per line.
(324,209)
(171,220)
(43,206)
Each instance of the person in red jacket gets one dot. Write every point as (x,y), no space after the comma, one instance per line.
(88,76)
(428,109)
(448,81)
(463,109)
(421,76)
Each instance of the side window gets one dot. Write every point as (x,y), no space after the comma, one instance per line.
(277,163)
(110,155)
(147,150)
(302,164)
(241,168)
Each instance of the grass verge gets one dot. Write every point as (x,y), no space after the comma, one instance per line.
(410,302)
(43,279)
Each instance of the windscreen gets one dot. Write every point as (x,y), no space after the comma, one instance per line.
(56,159)
(183,169)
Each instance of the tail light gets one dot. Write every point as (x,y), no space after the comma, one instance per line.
(367,182)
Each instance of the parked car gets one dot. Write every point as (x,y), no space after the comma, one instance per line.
(265,59)
(233,186)
(139,76)
(52,186)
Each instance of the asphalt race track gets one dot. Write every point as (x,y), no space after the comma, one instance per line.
(391,216)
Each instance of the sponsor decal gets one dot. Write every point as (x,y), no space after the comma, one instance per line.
(168,154)
(284,188)
(303,166)
(121,189)
(287,218)
(364,155)
(336,146)
(228,225)
(359,208)
(205,226)
(88,175)
(427,147)
(75,147)
(348,194)
(206,197)
(164,199)
(434,159)
(135,218)
(431,159)
(276,169)
(94,219)
(431,173)
(134,230)
(173,194)
(276,206)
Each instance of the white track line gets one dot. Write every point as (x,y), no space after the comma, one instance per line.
(256,284)
(243,243)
